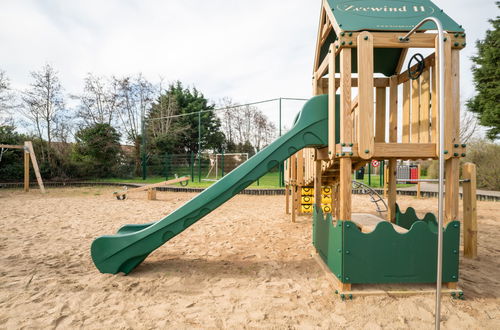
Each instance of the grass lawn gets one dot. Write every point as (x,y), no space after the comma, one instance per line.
(269,181)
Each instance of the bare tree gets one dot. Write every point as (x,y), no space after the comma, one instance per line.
(134,97)
(468,126)
(43,102)
(98,102)
(6,99)
(242,124)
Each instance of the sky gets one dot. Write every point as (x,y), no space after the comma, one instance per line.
(245,50)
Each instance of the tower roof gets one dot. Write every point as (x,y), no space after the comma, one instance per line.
(388,15)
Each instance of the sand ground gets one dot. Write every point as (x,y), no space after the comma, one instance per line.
(243,266)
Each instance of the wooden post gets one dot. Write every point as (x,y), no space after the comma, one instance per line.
(470,211)
(415,111)
(425,102)
(393,138)
(29,146)
(345,189)
(364,132)
(331,103)
(317,184)
(287,199)
(26,171)
(418,182)
(406,112)
(151,194)
(380,115)
(452,126)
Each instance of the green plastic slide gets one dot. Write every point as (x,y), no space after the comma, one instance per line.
(133,243)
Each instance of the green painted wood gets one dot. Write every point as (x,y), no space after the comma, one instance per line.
(327,239)
(385,256)
(388,15)
(132,244)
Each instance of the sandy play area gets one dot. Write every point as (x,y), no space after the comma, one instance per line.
(243,266)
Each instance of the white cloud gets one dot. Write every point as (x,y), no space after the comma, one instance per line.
(248,50)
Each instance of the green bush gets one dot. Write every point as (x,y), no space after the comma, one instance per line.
(486,156)
(11,165)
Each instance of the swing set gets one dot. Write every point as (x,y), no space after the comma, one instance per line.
(28,154)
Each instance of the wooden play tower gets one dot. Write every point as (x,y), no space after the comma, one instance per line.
(380,110)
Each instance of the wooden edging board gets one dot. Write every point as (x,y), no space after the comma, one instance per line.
(403,290)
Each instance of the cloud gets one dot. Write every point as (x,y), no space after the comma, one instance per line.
(248,50)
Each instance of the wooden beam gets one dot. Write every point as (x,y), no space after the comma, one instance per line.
(425,101)
(393,40)
(406,112)
(365,132)
(26,171)
(401,61)
(345,188)
(317,184)
(449,111)
(34,162)
(150,186)
(452,176)
(322,17)
(300,168)
(287,199)
(331,103)
(393,110)
(405,150)
(377,82)
(354,104)
(10,146)
(380,114)
(434,105)
(323,68)
(393,138)
(415,111)
(470,211)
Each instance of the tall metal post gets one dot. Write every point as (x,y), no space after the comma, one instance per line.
(439,270)
(199,146)
(281,176)
(222,163)
(143,147)
(191,165)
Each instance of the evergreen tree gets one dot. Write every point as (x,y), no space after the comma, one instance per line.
(180,134)
(487,80)
(97,150)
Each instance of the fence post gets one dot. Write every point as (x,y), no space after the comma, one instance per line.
(191,165)
(167,169)
(381,173)
(199,166)
(222,163)
(469,201)
(370,174)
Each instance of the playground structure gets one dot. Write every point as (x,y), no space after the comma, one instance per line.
(28,154)
(361,49)
(150,188)
(358,49)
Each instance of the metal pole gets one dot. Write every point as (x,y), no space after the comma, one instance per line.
(280,172)
(143,147)
(370,174)
(191,164)
(199,146)
(222,161)
(441,66)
